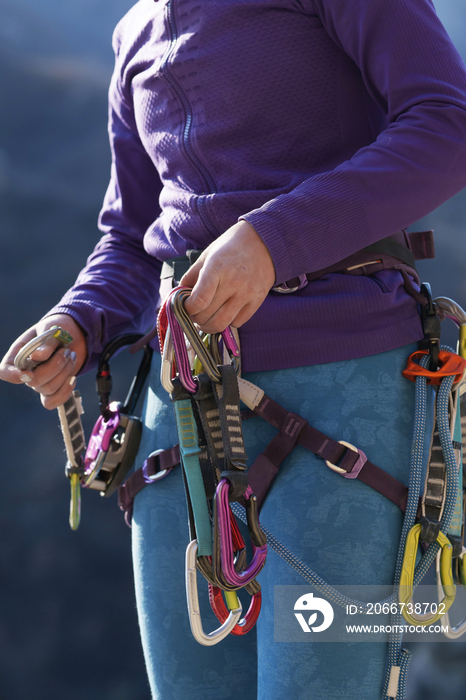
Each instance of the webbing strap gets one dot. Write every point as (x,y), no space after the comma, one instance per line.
(189,450)
(435,482)
(227,395)
(295,430)
(155,464)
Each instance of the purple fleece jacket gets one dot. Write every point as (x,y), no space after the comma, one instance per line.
(326,124)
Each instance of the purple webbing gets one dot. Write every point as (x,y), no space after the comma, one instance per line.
(226,545)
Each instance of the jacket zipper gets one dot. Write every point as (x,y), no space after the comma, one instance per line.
(191,155)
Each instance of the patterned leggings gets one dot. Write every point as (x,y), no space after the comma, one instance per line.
(345,531)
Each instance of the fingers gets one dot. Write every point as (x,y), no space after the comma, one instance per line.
(230,280)
(55,377)
(205,283)
(8,371)
(54,380)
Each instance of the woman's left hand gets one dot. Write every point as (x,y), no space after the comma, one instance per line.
(230,280)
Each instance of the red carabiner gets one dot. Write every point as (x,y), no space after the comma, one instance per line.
(450,364)
(221,612)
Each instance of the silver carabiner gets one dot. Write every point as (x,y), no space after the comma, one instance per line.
(194,613)
(456,631)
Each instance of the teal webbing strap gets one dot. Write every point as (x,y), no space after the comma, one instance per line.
(189,449)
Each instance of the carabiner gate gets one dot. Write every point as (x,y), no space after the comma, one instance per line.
(406,589)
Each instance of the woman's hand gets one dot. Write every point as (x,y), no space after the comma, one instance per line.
(55,378)
(230,280)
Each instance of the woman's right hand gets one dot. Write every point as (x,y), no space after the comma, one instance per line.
(55,377)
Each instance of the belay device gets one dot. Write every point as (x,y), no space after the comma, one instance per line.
(115,439)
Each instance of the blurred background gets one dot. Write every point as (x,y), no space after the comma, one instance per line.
(68,625)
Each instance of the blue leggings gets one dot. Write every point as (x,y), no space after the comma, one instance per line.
(344,530)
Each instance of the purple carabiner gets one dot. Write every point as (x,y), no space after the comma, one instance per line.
(230,342)
(181,352)
(259,549)
(99,443)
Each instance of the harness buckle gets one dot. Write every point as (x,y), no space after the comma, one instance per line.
(360,462)
(297,284)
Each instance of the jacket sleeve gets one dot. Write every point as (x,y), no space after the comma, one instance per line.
(117,291)
(414,74)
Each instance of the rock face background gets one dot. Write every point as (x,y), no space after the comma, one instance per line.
(68,625)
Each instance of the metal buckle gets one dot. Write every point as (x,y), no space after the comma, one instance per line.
(155,477)
(285,289)
(354,473)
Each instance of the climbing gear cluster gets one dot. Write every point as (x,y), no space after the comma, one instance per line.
(206,402)
(116,435)
(202,375)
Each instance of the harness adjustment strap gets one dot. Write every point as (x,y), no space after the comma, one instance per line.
(329,450)
(157,463)
(265,467)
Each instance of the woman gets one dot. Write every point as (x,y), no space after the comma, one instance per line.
(287,136)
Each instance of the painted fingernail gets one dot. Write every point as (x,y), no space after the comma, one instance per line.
(72,380)
(67,353)
(25,378)
(73,356)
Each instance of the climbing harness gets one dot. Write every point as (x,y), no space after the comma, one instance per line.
(201,374)
(428,519)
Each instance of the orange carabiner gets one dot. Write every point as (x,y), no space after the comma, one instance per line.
(450,364)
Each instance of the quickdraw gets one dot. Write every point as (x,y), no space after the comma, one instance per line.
(214,462)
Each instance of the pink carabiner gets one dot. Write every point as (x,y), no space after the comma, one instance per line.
(181,352)
(258,541)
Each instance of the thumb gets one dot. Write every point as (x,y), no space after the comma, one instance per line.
(190,277)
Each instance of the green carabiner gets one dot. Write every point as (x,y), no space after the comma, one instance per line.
(406,588)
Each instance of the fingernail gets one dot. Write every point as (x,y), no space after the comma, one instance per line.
(67,353)
(25,378)
(73,356)
(72,380)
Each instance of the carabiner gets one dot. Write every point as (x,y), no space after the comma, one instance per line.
(221,610)
(181,353)
(192,598)
(166,369)
(23,361)
(176,302)
(406,588)
(258,539)
(456,631)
